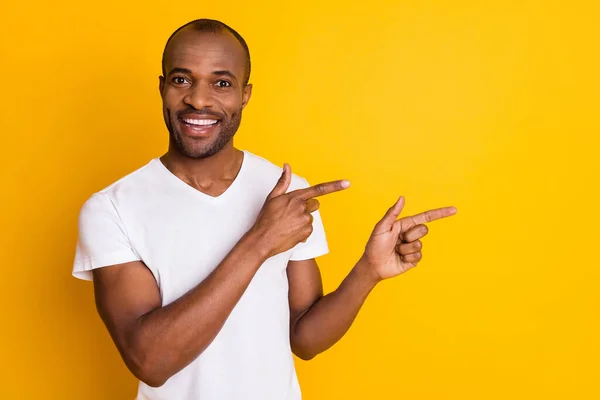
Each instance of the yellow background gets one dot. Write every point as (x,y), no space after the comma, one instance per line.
(488,106)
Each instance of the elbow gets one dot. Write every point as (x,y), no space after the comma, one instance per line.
(151,380)
(305,355)
(149,370)
(304,344)
(303,351)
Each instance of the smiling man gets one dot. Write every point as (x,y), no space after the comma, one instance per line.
(203,260)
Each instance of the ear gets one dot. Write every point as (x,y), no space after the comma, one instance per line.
(246,95)
(161,84)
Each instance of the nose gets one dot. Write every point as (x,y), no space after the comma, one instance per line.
(200,96)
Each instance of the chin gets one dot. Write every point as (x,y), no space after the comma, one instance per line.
(198,152)
(198,147)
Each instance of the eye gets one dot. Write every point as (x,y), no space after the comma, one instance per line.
(179,80)
(223,84)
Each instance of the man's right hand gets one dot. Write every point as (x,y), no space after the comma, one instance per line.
(285,219)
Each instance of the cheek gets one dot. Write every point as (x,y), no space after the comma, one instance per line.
(233,104)
(172,99)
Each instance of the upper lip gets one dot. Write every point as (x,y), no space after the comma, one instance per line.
(200,116)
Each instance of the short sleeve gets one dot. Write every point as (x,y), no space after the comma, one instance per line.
(316,244)
(102,239)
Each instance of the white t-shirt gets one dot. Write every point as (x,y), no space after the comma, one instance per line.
(182,234)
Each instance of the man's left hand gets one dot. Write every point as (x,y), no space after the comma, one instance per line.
(395,246)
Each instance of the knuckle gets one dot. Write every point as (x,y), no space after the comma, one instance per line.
(292,195)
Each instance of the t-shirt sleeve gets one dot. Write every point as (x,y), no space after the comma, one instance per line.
(102,239)
(316,244)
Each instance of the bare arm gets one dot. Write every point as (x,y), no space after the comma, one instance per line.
(317,321)
(156,342)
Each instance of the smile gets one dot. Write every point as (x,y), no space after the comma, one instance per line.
(200,122)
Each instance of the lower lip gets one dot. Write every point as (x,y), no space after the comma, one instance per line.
(198,130)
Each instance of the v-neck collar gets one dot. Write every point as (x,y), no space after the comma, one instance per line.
(206,197)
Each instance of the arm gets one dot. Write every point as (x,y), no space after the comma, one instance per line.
(317,322)
(156,342)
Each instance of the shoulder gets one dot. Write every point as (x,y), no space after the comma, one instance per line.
(132,183)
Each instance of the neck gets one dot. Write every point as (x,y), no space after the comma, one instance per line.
(205,172)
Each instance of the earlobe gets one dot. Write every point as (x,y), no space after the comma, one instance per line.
(246,95)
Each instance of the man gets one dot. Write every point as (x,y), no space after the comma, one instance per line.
(203,260)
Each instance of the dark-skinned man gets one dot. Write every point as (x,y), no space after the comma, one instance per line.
(203,260)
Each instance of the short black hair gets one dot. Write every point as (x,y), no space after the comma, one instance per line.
(212,26)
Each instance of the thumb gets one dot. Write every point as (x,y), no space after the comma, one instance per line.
(283,183)
(387,222)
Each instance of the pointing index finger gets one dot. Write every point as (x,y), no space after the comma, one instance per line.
(321,189)
(428,216)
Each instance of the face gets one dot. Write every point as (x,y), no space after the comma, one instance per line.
(203,92)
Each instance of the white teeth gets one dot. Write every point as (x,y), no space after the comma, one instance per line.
(201,122)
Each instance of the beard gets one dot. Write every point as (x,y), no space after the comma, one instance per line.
(202,147)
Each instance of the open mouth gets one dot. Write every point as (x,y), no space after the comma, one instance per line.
(200,122)
(199,126)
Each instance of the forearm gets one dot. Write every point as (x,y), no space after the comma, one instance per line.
(331,316)
(171,337)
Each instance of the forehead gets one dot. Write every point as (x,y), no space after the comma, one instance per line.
(205,52)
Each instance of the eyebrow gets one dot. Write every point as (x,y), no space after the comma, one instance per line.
(178,70)
(225,73)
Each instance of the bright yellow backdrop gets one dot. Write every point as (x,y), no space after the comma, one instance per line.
(492,108)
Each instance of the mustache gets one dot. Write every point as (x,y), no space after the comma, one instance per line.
(205,112)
